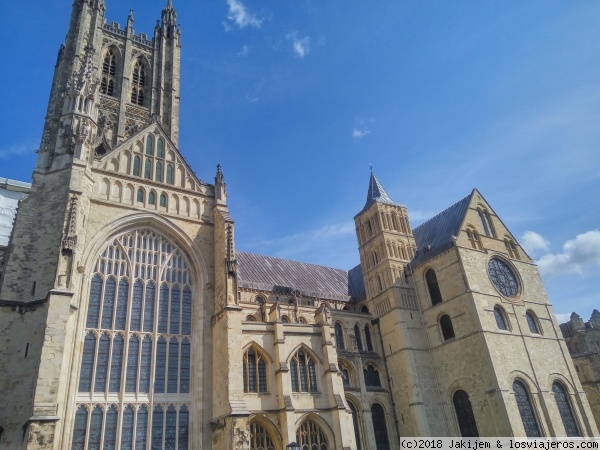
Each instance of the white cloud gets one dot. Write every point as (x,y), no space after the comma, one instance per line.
(362,127)
(563,317)
(532,241)
(244,51)
(16,150)
(578,255)
(301,46)
(239,15)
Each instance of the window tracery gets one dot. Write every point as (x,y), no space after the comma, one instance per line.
(121,330)
(255,372)
(138,83)
(260,439)
(371,375)
(303,372)
(109,72)
(310,436)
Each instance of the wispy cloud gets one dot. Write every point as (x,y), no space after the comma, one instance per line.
(532,242)
(244,51)
(578,256)
(301,46)
(240,16)
(16,150)
(362,127)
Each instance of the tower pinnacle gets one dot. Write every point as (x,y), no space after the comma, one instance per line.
(376,192)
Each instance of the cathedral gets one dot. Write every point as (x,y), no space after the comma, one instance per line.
(129,320)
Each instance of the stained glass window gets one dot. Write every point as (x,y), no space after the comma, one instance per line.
(110,428)
(102,363)
(368,338)
(303,373)
(503,277)
(564,408)
(150,145)
(310,436)
(132,364)
(175,309)
(260,438)
(339,336)
(171,429)
(109,303)
(170,173)
(87,363)
(380,427)
(163,200)
(526,410)
(141,429)
(145,365)
(184,371)
(161,365)
(160,148)
(184,418)
(358,338)
(255,372)
(140,195)
(148,169)
(159,171)
(433,287)
(79,429)
(464,414)
(152,198)
(94,303)
(157,428)
(127,429)
(173,363)
(137,163)
(116,364)
(532,322)
(113,306)
(136,306)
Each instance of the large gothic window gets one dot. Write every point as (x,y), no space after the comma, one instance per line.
(303,372)
(109,72)
(464,414)
(564,408)
(311,437)
(138,83)
(255,372)
(526,410)
(137,340)
(379,427)
(260,439)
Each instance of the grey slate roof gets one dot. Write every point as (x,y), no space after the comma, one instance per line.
(282,275)
(376,193)
(435,235)
(356,284)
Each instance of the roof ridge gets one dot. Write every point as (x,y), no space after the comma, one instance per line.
(445,210)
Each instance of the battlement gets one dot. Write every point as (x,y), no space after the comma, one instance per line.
(115,28)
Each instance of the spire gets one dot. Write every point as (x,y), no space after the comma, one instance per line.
(376,192)
(169,17)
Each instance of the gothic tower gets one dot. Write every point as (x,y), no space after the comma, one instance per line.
(386,246)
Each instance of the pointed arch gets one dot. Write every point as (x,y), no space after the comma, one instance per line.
(139,81)
(261,421)
(314,433)
(303,370)
(110,63)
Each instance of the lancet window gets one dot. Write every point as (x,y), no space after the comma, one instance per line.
(138,83)
(464,414)
(433,287)
(260,439)
(339,336)
(526,409)
(255,372)
(565,410)
(379,427)
(137,339)
(109,72)
(303,372)
(371,375)
(310,436)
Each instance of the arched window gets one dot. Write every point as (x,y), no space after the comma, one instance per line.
(526,409)
(371,376)
(380,427)
(345,375)
(474,239)
(137,166)
(123,301)
(163,200)
(260,439)
(152,198)
(464,414)
(255,372)
(486,222)
(433,287)
(368,338)
(511,248)
(303,372)
(170,170)
(339,336)
(364,309)
(148,169)
(500,318)
(446,327)
(109,71)
(138,83)
(140,195)
(532,322)
(310,436)
(159,171)
(355,424)
(285,319)
(565,410)
(160,148)
(150,145)
(359,345)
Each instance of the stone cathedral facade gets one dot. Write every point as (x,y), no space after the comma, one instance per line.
(129,320)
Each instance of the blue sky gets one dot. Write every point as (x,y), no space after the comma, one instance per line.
(296,98)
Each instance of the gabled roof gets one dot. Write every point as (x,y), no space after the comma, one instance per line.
(282,275)
(435,235)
